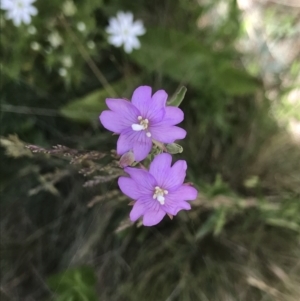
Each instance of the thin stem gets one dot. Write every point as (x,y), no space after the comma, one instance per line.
(89,60)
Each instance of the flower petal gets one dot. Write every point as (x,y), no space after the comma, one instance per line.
(159,98)
(112,122)
(141,98)
(160,168)
(176,176)
(155,115)
(143,179)
(184,193)
(32,10)
(124,108)
(142,148)
(172,116)
(155,109)
(131,43)
(115,40)
(138,28)
(166,134)
(153,217)
(125,142)
(137,211)
(129,187)
(174,207)
(138,142)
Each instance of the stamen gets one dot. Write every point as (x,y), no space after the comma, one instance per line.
(140,118)
(148,134)
(166,191)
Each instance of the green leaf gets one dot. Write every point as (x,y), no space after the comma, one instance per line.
(65,281)
(185,59)
(207,227)
(220,221)
(177,99)
(235,81)
(284,224)
(87,109)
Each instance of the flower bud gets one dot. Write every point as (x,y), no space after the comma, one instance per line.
(174,148)
(126,159)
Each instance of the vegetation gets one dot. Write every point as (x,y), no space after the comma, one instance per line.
(65,232)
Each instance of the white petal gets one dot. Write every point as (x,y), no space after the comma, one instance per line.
(115,40)
(113,27)
(32,11)
(138,28)
(17,20)
(6,4)
(131,43)
(127,47)
(26,18)
(125,19)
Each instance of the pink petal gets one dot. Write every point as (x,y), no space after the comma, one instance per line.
(129,187)
(125,142)
(155,114)
(112,122)
(137,211)
(138,142)
(143,179)
(159,98)
(141,99)
(183,193)
(167,134)
(174,208)
(157,107)
(173,116)
(142,148)
(124,109)
(153,217)
(161,167)
(176,176)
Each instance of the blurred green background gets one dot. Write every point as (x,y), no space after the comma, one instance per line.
(240,63)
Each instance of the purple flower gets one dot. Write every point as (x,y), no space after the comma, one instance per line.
(159,191)
(145,118)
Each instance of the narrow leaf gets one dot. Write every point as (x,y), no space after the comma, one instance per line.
(178,97)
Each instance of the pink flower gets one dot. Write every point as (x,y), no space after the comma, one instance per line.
(159,191)
(145,118)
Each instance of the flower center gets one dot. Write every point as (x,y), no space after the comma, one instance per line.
(159,194)
(20,4)
(141,126)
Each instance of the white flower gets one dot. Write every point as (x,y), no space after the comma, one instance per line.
(55,39)
(81,26)
(124,31)
(69,8)
(35,46)
(19,11)
(31,29)
(67,61)
(90,44)
(62,72)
